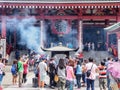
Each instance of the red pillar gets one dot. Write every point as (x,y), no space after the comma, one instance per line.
(118,15)
(3,26)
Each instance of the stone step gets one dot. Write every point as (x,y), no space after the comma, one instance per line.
(96,55)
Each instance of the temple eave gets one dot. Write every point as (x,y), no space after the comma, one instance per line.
(59,5)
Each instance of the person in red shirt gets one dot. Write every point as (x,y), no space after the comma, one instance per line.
(80,56)
(25,66)
(102,76)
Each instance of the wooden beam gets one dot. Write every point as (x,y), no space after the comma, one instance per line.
(66,17)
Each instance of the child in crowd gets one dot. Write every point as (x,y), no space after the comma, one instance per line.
(14,72)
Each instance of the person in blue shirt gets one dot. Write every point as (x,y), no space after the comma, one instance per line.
(14,72)
(78,73)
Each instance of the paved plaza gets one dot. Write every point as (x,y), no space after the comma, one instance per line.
(7,82)
(28,86)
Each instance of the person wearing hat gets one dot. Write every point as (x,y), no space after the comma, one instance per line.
(42,72)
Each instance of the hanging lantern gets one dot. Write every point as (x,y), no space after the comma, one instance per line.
(61,27)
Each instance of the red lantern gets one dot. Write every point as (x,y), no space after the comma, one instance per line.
(61,27)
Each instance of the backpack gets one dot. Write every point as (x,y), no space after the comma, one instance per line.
(13,69)
(52,67)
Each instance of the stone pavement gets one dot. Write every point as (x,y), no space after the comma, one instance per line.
(7,83)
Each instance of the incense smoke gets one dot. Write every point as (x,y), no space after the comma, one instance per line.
(28,33)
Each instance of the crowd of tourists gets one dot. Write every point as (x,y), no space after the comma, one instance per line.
(77,73)
(66,73)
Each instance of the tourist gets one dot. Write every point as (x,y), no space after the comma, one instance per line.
(2,66)
(70,75)
(1,51)
(92,46)
(52,72)
(14,72)
(89,46)
(78,74)
(17,55)
(81,56)
(86,46)
(42,72)
(108,78)
(61,72)
(102,76)
(25,71)
(90,79)
(20,71)
(83,74)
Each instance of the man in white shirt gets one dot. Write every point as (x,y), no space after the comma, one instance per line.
(90,80)
(42,72)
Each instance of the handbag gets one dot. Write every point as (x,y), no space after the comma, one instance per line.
(56,78)
(3,73)
(89,71)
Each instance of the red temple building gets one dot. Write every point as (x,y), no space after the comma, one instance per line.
(73,22)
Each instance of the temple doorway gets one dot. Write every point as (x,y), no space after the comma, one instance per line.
(94,38)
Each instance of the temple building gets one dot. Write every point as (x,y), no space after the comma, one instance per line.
(44,23)
(113,39)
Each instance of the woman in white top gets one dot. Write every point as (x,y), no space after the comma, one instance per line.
(2,66)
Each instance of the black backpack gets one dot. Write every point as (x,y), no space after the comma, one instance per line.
(52,67)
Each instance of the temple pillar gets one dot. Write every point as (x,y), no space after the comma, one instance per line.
(118,43)
(41,33)
(3,36)
(118,15)
(80,38)
(3,27)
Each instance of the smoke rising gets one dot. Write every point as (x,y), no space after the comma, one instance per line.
(29,34)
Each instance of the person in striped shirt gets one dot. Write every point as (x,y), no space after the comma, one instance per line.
(102,76)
